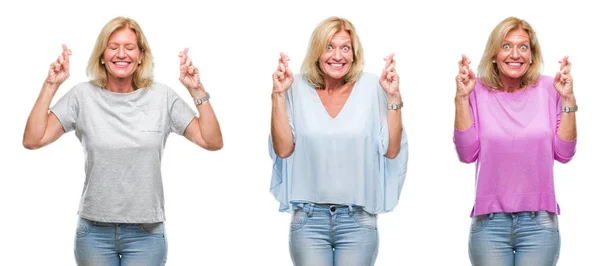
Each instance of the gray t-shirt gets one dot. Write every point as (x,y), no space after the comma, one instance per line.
(123,137)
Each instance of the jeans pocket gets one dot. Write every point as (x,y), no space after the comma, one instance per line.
(299,218)
(156,229)
(83,227)
(479,222)
(547,221)
(365,219)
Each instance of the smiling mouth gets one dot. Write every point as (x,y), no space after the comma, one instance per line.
(121,64)
(336,65)
(514,64)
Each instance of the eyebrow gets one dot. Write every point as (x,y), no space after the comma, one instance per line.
(348,43)
(116,43)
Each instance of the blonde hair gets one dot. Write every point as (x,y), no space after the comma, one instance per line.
(142,77)
(321,36)
(488,71)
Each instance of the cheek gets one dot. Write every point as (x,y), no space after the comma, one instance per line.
(349,56)
(135,54)
(500,55)
(323,58)
(322,62)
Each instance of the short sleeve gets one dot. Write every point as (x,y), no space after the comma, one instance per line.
(180,114)
(67,110)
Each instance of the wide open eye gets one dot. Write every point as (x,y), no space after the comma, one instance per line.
(523,48)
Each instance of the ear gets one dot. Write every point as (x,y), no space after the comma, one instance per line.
(142,55)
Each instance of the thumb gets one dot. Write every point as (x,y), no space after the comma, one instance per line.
(557,77)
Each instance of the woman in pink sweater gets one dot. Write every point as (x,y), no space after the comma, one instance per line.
(514,123)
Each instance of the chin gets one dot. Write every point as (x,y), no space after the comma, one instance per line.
(336,74)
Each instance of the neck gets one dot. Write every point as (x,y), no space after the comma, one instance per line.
(120,85)
(332,85)
(510,84)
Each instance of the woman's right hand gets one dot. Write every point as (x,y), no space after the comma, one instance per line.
(283,77)
(59,69)
(465,80)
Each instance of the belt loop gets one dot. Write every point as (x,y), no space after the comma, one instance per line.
(491,216)
(351,209)
(299,206)
(311,207)
(533,214)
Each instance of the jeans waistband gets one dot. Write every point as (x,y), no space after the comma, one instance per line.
(514,214)
(310,208)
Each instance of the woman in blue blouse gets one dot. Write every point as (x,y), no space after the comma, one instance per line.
(338,146)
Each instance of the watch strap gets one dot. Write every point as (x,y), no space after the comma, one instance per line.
(200,101)
(395,106)
(569,109)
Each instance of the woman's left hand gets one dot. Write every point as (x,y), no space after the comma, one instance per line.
(189,76)
(389,79)
(563,82)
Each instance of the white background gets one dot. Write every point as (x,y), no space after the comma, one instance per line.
(218,205)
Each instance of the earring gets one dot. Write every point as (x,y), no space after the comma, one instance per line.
(493,61)
(102,62)
(530,62)
(139,62)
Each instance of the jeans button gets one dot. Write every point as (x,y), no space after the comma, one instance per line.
(332,208)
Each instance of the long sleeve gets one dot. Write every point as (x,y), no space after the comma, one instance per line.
(563,150)
(467,141)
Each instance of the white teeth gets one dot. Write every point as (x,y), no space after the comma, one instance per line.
(336,65)
(121,63)
(514,64)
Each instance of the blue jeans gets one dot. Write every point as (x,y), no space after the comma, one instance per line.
(514,239)
(333,235)
(113,244)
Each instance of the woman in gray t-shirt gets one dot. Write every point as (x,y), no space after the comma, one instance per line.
(122,118)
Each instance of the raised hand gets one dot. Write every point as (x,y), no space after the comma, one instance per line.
(563,82)
(189,76)
(59,69)
(389,79)
(283,77)
(465,80)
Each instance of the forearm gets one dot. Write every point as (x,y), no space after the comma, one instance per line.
(462,115)
(394,121)
(466,139)
(567,130)
(281,132)
(207,122)
(38,118)
(209,126)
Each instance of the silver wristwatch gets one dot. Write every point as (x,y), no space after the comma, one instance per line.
(569,109)
(395,106)
(202,100)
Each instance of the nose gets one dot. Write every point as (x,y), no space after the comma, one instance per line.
(514,53)
(337,55)
(121,53)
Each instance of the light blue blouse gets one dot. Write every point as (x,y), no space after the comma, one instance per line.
(339,160)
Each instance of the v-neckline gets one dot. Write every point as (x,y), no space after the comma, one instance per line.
(343,106)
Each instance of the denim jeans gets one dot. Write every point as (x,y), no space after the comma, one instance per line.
(333,235)
(114,244)
(514,239)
